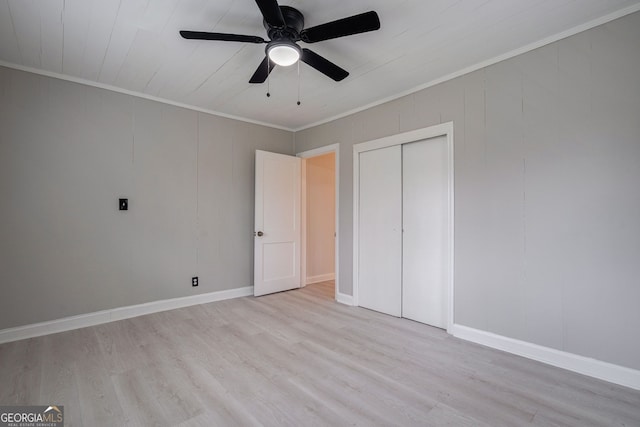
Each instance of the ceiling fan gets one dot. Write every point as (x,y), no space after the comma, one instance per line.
(285,27)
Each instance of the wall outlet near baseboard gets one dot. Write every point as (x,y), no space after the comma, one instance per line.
(194,281)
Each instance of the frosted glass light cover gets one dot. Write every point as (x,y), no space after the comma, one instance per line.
(284,55)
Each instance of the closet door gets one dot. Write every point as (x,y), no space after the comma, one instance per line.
(379,232)
(425,216)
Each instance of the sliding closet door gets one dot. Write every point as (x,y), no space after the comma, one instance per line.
(380,234)
(425,216)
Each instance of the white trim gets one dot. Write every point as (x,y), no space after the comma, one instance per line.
(344,299)
(355,265)
(475,67)
(303,224)
(320,278)
(120,313)
(452,226)
(583,365)
(137,94)
(333,148)
(444,129)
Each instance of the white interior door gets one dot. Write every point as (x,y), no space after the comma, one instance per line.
(425,215)
(379,232)
(277,223)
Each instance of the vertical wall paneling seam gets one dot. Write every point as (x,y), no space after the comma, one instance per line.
(62,15)
(523,202)
(484,122)
(402,230)
(485,295)
(336,262)
(15,34)
(197,194)
(40,38)
(451,223)
(133,132)
(355,224)
(563,329)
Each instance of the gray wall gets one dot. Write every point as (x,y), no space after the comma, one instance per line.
(69,151)
(547,170)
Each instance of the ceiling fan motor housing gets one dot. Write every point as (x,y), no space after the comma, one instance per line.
(294,23)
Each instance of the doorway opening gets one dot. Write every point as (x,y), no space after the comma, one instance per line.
(319,217)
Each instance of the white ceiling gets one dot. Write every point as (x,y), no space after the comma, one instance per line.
(134,45)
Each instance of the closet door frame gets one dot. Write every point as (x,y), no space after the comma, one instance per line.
(444,129)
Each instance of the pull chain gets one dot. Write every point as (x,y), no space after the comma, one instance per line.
(298,82)
(268,85)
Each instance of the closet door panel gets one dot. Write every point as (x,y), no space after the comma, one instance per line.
(379,233)
(425,215)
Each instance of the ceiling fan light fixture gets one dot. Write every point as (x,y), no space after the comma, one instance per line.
(283,52)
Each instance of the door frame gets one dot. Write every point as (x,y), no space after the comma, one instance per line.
(444,129)
(333,148)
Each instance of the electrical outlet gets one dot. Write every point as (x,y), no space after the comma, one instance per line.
(194,281)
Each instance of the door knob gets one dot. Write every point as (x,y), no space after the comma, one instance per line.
(260,234)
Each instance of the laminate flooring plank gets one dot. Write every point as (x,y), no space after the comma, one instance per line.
(214,418)
(259,398)
(137,400)
(349,414)
(370,386)
(218,405)
(98,403)
(444,416)
(270,320)
(121,351)
(226,361)
(170,390)
(61,353)
(214,314)
(21,371)
(304,408)
(355,406)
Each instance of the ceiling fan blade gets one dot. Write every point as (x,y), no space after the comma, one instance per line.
(271,12)
(355,24)
(323,65)
(201,35)
(261,72)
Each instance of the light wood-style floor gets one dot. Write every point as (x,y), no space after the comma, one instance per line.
(296,358)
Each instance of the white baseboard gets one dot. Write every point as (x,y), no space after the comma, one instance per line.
(111,315)
(583,365)
(320,278)
(344,299)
